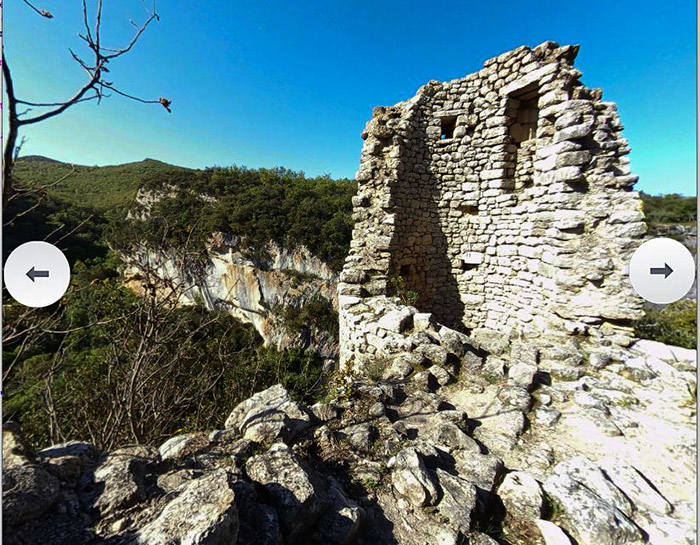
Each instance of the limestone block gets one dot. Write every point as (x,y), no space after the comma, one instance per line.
(575,132)
(424,320)
(522,496)
(397,320)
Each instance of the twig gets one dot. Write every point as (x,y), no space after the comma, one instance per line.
(41,12)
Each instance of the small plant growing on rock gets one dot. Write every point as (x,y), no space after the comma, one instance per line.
(552,508)
(374,369)
(369,484)
(408,297)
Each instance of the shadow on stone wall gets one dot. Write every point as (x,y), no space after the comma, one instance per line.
(419,248)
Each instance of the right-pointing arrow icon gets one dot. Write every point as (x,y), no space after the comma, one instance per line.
(665,270)
(33,273)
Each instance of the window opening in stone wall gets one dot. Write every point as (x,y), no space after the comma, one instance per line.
(525,126)
(468,209)
(447,127)
(405,270)
(523,132)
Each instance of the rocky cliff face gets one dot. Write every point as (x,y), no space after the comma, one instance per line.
(455,444)
(252,291)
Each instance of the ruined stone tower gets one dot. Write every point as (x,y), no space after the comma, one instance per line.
(504,199)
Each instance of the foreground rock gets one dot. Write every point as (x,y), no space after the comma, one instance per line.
(204,512)
(386,462)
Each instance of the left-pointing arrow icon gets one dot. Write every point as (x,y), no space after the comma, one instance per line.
(665,270)
(33,273)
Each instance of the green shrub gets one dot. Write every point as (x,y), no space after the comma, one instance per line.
(318,312)
(408,297)
(669,209)
(259,206)
(675,324)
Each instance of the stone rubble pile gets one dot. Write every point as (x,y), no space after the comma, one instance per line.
(403,460)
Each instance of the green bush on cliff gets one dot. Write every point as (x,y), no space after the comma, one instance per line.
(318,313)
(258,205)
(675,324)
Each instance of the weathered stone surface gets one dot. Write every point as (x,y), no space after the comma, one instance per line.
(173,480)
(399,369)
(360,436)
(81,449)
(458,500)
(68,460)
(454,342)
(120,478)
(515,396)
(15,450)
(293,490)
(635,486)
(480,469)
(423,320)
(342,523)
(442,377)
(268,416)
(203,514)
(324,411)
(522,374)
(552,534)
(521,495)
(396,320)
(411,479)
(28,492)
(434,353)
(546,416)
(174,446)
(592,509)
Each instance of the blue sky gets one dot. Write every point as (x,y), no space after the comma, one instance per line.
(292,83)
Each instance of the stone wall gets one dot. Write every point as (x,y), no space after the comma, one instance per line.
(504,199)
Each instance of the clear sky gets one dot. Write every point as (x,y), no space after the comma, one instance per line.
(292,83)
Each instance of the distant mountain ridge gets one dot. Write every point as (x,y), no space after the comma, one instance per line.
(37,159)
(44,159)
(98,187)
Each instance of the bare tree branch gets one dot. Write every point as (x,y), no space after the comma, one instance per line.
(41,12)
(48,104)
(92,89)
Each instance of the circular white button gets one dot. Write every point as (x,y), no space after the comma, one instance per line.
(37,274)
(662,270)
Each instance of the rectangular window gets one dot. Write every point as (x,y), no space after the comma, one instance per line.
(447,127)
(525,126)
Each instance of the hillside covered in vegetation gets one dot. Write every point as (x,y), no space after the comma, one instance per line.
(154,367)
(669,209)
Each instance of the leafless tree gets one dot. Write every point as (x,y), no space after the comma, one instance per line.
(96,87)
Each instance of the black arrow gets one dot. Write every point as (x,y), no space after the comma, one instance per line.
(32,274)
(666,270)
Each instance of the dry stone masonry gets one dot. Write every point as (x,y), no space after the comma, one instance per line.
(504,199)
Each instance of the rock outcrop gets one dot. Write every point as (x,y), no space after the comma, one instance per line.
(250,290)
